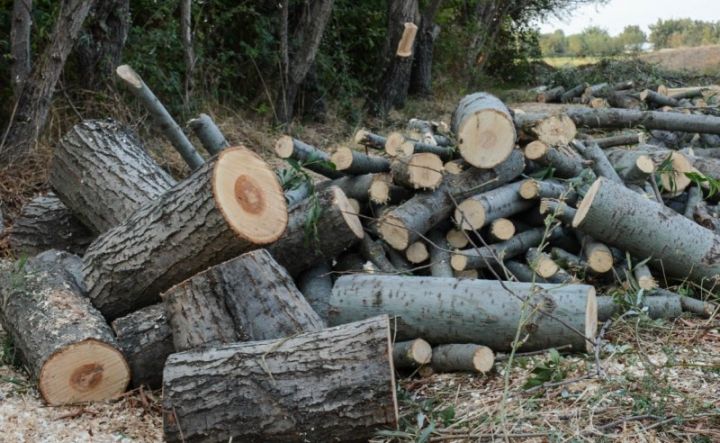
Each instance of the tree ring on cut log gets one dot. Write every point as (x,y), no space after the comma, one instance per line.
(486,139)
(502,229)
(529,189)
(284,146)
(86,371)
(349,213)
(535,150)
(421,351)
(392,229)
(483,359)
(675,182)
(470,215)
(249,196)
(395,144)
(645,164)
(458,262)
(379,191)
(425,170)
(342,158)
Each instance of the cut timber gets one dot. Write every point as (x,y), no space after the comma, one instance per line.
(644,277)
(627,118)
(161,116)
(644,228)
(405,45)
(369,140)
(448,310)
(316,286)
(46,223)
(475,212)
(354,186)
(355,162)
(456,238)
(624,99)
(632,166)
(337,384)
(553,95)
(484,129)
(396,144)
(549,129)
(532,189)
(308,241)
(406,223)
(146,340)
(574,93)
(374,252)
(674,181)
(620,140)
(466,274)
(249,297)
(462,357)
(65,343)
(658,99)
(382,190)
(411,354)
(308,156)
(599,161)
(439,255)
(599,103)
(502,229)
(230,205)
(598,256)
(567,164)
(567,260)
(417,252)
(101,171)
(209,134)
(418,171)
(541,263)
(521,272)
(663,304)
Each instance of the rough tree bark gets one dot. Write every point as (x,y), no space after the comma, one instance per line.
(421,73)
(186,37)
(20,44)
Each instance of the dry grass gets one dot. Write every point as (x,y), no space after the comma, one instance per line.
(701,59)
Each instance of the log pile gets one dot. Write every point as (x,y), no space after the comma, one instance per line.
(271,314)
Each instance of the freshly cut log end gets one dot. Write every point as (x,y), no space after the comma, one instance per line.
(129,75)
(411,354)
(502,229)
(418,171)
(354,205)
(456,238)
(467,274)
(379,191)
(393,231)
(417,252)
(342,158)
(459,262)
(555,130)
(284,146)
(645,164)
(396,145)
(529,189)
(599,257)
(541,263)
(83,372)
(355,162)
(535,150)
(675,182)
(462,357)
(405,45)
(454,167)
(470,215)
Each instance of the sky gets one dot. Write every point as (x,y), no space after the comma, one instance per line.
(617,14)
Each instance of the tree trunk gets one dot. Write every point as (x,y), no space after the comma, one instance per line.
(373,251)
(337,384)
(35,99)
(462,357)
(558,210)
(354,186)
(626,118)
(46,223)
(248,298)
(421,73)
(186,38)
(644,228)
(146,340)
(101,171)
(20,44)
(411,354)
(230,205)
(445,310)
(318,229)
(64,341)
(209,134)
(484,129)
(308,156)
(477,211)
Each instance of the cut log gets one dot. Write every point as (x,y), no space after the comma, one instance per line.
(349,161)
(484,129)
(457,238)
(468,274)
(417,171)
(319,229)
(145,339)
(405,45)
(567,260)
(644,228)
(475,212)
(354,186)
(102,173)
(551,95)
(633,167)
(695,196)
(308,156)
(620,140)
(666,306)
(417,252)
(446,310)
(627,118)
(161,116)
(398,260)
(573,93)
(209,134)
(600,163)
(521,272)
(439,255)
(644,277)
(249,297)
(65,343)
(46,223)
(698,307)
(567,164)
(406,223)
(232,204)
(444,152)
(369,140)
(540,189)
(541,263)
(550,129)
(397,144)
(623,99)
(411,354)
(382,190)
(462,357)
(337,384)
(597,255)
(501,229)
(373,251)
(658,99)
(673,167)
(316,285)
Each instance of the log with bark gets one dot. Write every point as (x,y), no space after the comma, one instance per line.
(565,162)
(620,140)
(209,134)
(349,161)
(633,167)
(308,156)
(383,191)
(553,95)
(660,305)
(462,357)
(316,286)
(550,129)
(475,212)
(411,354)
(627,118)
(369,140)
(417,171)
(439,254)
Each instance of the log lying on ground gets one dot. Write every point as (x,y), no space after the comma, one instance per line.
(633,167)
(541,263)
(65,342)
(484,129)
(249,297)
(209,134)
(332,385)
(146,340)
(475,212)
(620,140)
(411,354)
(417,171)
(230,205)
(316,286)
(462,357)
(311,238)
(658,99)
(573,93)
(448,310)
(644,277)
(161,116)
(102,173)
(623,99)
(349,161)
(549,129)
(644,228)
(310,157)
(521,272)
(567,164)
(46,223)
(551,95)
(383,191)
(626,118)
(600,163)
(369,140)
(456,238)
(597,255)
(658,306)
(439,255)
(408,222)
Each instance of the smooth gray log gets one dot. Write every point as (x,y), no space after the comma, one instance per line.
(316,285)
(627,118)
(209,134)
(600,163)
(308,156)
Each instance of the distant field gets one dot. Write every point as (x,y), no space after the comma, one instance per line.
(559,62)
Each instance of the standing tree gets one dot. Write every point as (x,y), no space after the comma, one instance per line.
(20,44)
(421,76)
(632,38)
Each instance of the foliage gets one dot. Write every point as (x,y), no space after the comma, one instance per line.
(675,33)
(703,181)
(549,371)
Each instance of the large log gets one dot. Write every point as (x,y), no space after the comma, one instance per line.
(65,342)
(308,156)
(249,297)
(228,206)
(318,229)
(448,310)
(146,340)
(484,129)
(475,212)
(627,118)
(332,385)
(46,223)
(101,171)
(644,228)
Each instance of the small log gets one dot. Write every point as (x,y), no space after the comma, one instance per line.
(424,130)
(397,144)
(462,357)
(553,95)
(633,167)
(161,116)
(297,194)
(644,228)
(417,171)
(439,255)
(316,285)
(674,181)
(567,260)
(46,223)
(628,118)
(532,189)
(597,255)
(698,307)
(475,212)
(250,297)
(405,45)
(337,384)
(573,93)
(442,310)
(550,129)
(209,134)
(620,140)
(398,259)
(411,354)
(623,99)
(566,164)
(373,251)
(417,252)
(657,99)
(456,238)
(232,204)
(600,163)
(644,277)
(467,274)
(383,191)
(666,306)
(522,272)
(501,229)
(354,186)
(541,263)
(352,263)
(484,129)
(64,342)
(598,103)
(145,339)
(308,156)
(444,152)
(369,140)
(102,173)
(695,196)
(349,161)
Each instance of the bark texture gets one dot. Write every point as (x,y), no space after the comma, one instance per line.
(316,285)
(20,44)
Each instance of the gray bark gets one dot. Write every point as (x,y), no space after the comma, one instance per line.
(695,196)
(565,163)
(411,354)
(626,118)
(373,251)
(619,140)
(542,189)
(657,99)
(354,186)
(600,163)
(316,285)
(666,306)
(370,140)
(573,93)
(209,134)
(479,210)
(522,272)
(553,95)
(356,162)
(439,255)
(626,164)
(462,357)
(20,44)
(308,156)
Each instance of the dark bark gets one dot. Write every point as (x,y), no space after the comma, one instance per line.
(186,37)
(421,74)
(20,44)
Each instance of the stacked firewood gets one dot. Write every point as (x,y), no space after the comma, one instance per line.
(276,314)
